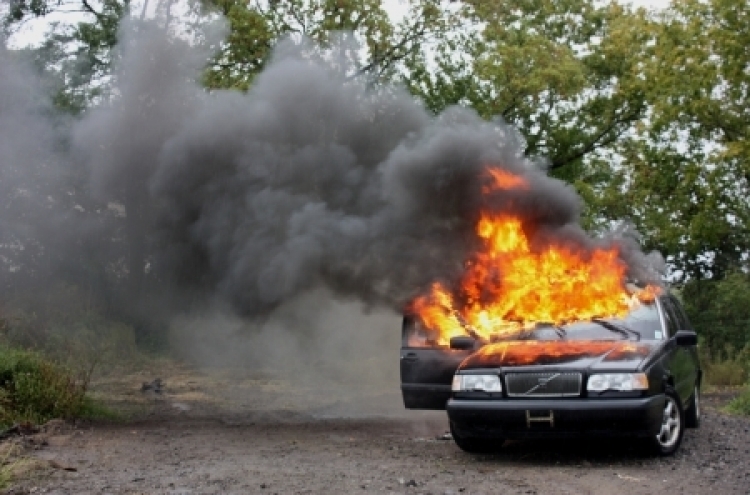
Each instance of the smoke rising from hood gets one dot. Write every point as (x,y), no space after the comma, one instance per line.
(313,179)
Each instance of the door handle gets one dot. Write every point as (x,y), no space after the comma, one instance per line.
(410,356)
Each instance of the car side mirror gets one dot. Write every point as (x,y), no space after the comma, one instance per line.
(686,338)
(463,343)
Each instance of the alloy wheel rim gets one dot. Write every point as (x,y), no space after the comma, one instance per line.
(670,424)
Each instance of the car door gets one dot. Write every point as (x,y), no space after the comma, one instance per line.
(691,351)
(426,368)
(681,364)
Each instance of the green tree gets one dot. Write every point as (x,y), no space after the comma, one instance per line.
(255,28)
(77,55)
(720,310)
(563,73)
(246,48)
(686,169)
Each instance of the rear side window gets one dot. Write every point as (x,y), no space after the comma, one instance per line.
(682,320)
(670,316)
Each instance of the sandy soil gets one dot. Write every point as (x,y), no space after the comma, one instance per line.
(234,432)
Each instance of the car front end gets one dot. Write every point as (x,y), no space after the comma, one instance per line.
(543,401)
(580,379)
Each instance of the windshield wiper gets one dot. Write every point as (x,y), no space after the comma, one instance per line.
(559,331)
(625,331)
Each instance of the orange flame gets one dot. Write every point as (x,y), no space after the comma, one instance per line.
(502,179)
(508,286)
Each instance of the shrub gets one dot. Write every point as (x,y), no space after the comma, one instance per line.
(720,309)
(727,368)
(34,389)
(741,404)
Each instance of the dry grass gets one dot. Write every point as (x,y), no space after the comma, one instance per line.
(726,368)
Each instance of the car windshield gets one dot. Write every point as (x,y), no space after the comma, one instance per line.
(642,323)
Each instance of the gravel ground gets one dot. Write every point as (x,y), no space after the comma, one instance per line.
(186,445)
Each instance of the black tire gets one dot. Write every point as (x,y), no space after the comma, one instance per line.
(475,445)
(668,440)
(693,411)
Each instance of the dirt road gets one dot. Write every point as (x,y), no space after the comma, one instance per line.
(193,439)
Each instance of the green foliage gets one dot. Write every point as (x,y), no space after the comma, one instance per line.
(256,27)
(720,310)
(76,55)
(740,404)
(34,389)
(686,173)
(563,73)
(246,49)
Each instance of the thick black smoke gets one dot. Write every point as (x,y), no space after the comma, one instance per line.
(313,179)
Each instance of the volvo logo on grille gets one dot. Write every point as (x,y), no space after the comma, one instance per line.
(542,383)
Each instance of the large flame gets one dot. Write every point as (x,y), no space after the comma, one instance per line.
(508,285)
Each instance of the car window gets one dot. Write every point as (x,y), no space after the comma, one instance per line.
(682,320)
(670,316)
(641,323)
(645,320)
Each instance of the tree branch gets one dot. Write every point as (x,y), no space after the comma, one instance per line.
(99,17)
(596,141)
(390,54)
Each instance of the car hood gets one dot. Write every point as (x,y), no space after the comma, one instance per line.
(578,354)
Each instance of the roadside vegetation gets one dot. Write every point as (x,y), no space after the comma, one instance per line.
(729,371)
(46,367)
(726,369)
(741,404)
(33,389)
(720,312)
(48,359)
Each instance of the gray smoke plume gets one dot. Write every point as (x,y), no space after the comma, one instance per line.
(32,165)
(313,179)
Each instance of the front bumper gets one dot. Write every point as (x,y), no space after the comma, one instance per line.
(513,418)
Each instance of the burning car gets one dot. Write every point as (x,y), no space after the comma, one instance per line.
(545,337)
(636,375)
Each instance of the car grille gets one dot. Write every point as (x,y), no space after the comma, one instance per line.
(543,384)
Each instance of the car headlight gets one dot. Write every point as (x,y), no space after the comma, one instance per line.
(623,382)
(485,383)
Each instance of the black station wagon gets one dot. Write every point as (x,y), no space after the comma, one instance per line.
(637,376)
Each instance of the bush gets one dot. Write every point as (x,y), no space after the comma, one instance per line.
(34,389)
(727,368)
(741,404)
(720,309)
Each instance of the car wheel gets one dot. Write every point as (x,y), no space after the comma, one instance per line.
(693,411)
(475,445)
(667,440)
